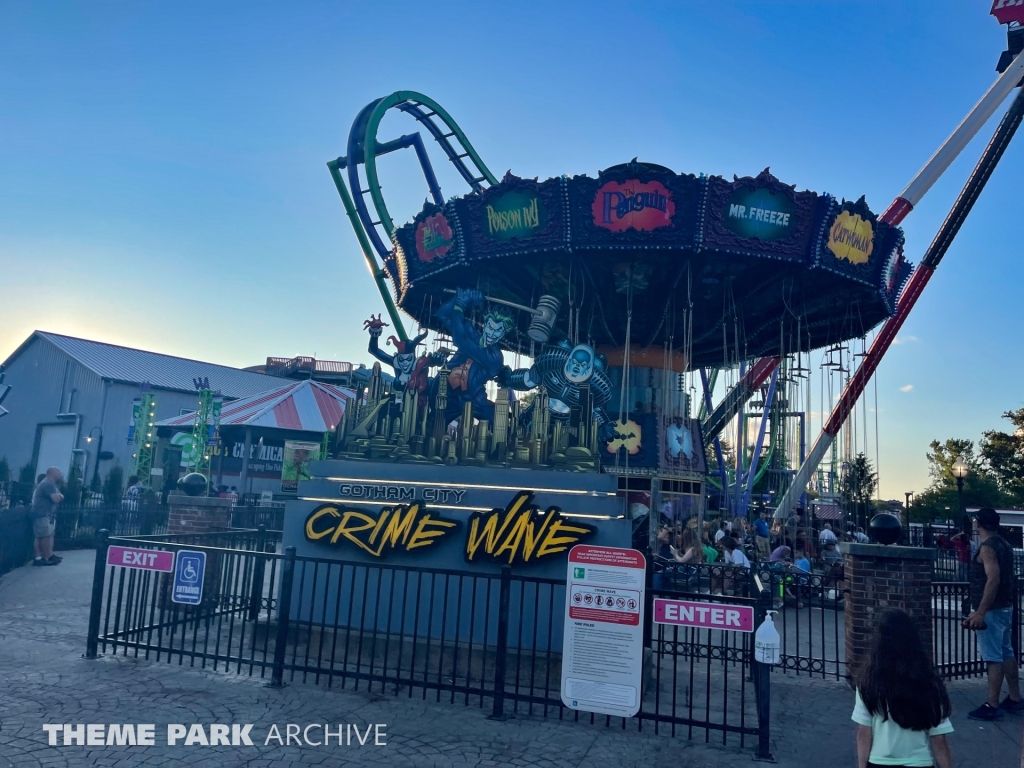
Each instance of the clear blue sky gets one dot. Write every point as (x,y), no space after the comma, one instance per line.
(162,177)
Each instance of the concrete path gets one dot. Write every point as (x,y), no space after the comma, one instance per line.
(43,679)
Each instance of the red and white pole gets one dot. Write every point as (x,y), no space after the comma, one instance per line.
(894,214)
(919,279)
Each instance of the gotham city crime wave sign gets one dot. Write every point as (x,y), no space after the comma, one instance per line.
(522,533)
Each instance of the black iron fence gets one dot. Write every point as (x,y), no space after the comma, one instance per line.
(955,648)
(486,640)
(809,608)
(253,516)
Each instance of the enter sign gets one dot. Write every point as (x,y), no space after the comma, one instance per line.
(731,618)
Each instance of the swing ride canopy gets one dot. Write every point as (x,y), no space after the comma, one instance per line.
(721,270)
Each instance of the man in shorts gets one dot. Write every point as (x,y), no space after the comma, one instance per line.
(45,499)
(990,576)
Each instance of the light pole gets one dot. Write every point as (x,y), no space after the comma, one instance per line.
(960,472)
(99,446)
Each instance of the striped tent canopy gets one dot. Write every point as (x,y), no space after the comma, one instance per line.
(828,512)
(306,406)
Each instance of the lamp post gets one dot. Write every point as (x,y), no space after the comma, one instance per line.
(960,472)
(99,446)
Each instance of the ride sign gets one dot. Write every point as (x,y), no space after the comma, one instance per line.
(189,572)
(602,652)
(685,613)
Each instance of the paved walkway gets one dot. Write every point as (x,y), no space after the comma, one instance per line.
(43,679)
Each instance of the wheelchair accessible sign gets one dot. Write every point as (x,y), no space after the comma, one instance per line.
(189,571)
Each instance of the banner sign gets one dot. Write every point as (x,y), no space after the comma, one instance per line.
(686,613)
(1008,11)
(603,640)
(141,559)
(297,456)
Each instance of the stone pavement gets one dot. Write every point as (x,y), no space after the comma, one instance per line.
(43,679)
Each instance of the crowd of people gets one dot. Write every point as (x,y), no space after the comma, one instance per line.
(792,547)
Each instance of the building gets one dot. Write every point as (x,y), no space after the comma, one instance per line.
(71,399)
(272,428)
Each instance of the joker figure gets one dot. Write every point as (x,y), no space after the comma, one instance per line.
(478,358)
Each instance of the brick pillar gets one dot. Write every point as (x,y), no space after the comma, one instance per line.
(197,514)
(200,514)
(880,577)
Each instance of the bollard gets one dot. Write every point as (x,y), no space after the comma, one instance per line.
(96,606)
(284,606)
(501,652)
(762,679)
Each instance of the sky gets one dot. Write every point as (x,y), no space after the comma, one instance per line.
(163,181)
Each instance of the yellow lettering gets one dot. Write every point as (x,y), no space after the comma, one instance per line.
(349,533)
(553,543)
(490,530)
(531,540)
(400,527)
(423,537)
(311,533)
(473,540)
(380,524)
(515,536)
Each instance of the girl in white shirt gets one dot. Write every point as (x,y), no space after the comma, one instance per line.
(901,706)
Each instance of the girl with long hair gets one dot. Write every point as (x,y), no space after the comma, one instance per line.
(902,708)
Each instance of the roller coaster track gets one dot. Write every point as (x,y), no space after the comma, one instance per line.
(363,150)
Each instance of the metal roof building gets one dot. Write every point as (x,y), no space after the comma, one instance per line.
(71,399)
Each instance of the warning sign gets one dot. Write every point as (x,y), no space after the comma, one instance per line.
(602,655)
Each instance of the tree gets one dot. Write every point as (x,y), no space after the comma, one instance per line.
(1003,453)
(728,456)
(113,486)
(5,470)
(27,474)
(857,487)
(940,501)
(74,487)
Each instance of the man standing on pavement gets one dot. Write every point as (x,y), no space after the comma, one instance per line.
(990,576)
(45,499)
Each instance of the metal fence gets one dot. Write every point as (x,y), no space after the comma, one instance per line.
(485,640)
(253,516)
(809,608)
(954,648)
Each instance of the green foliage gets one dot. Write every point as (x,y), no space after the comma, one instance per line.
(857,487)
(75,484)
(1003,452)
(940,501)
(5,470)
(113,486)
(27,474)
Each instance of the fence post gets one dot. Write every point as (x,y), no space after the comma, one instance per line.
(98,572)
(501,652)
(284,607)
(762,678)
(258,573)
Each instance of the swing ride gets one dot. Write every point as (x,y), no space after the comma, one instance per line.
(616,295)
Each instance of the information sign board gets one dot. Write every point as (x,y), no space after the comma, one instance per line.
(602,654)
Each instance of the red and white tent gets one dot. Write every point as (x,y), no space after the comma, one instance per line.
(306,406)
